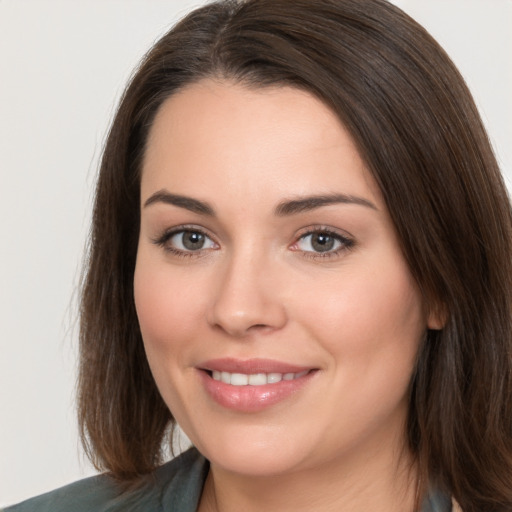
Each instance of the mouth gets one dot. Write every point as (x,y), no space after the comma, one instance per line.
(252,385)
(255,379)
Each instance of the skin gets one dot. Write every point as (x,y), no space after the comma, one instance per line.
(259,289)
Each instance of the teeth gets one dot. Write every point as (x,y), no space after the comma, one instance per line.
(239,379)
(272,378)
(254,379)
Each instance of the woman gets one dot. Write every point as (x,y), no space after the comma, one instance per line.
(300,253)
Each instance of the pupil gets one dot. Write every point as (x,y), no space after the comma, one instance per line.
(322,242)
(193,240)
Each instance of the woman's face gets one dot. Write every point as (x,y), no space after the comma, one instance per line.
(279,317)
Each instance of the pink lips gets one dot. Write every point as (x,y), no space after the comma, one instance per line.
(252,398)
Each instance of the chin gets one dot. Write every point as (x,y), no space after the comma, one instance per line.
(255,462)
(254,451)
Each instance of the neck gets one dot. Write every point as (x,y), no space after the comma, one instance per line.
(386,481)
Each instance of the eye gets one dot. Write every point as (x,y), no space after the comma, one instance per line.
(318,242)
(188,240)
(185,241)
(322,243)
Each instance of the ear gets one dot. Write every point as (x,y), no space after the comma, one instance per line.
(437,317)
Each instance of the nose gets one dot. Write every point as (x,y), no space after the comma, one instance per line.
(247,298)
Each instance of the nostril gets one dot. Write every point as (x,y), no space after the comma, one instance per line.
(240,316)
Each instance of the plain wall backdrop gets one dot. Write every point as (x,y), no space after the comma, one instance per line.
(63,66)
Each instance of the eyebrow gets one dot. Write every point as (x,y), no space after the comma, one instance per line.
(283,209)
(188,203)
(304,204)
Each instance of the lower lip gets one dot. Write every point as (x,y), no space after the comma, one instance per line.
(252,398)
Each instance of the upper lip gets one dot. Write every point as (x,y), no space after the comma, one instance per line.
(251,366)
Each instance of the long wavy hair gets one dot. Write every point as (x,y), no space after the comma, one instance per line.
(417,129)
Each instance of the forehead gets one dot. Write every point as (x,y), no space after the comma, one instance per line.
(229,138)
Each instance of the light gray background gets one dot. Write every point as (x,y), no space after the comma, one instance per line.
(63,65)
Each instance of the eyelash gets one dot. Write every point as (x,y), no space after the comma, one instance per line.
(345,242)
(163,241)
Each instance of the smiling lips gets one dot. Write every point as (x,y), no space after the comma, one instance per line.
(252,385)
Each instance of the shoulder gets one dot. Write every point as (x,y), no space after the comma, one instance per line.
(177,484)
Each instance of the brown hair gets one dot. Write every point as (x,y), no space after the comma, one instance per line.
(419,132)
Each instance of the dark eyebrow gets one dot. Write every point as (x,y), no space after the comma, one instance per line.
(194,205)
(305,204)
(289,207)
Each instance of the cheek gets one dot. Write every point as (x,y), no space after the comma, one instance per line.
(167,310)
(370,319)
